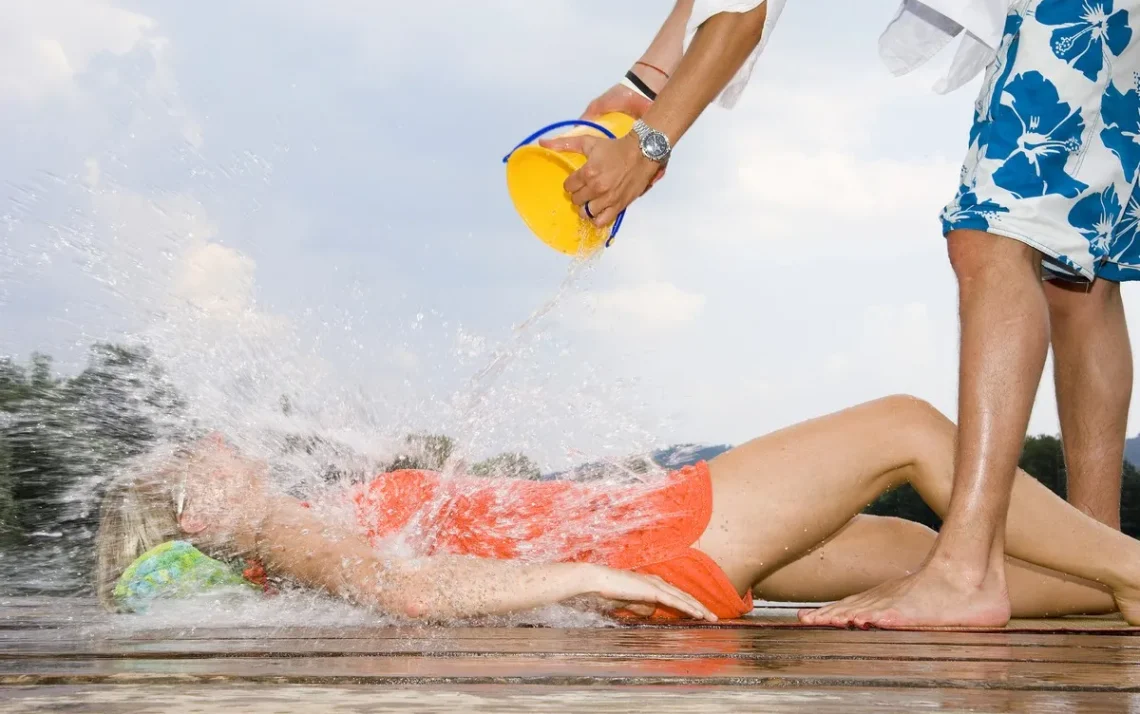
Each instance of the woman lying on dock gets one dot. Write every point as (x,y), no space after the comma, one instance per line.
(778,517)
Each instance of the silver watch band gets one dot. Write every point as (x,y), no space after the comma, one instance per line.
(644,131)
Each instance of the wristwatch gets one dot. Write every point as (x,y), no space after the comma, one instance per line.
(654,145)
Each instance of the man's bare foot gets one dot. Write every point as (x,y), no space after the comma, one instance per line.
(935,596)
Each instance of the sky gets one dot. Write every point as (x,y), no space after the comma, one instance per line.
(318,186)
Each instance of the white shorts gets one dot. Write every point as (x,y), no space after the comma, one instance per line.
(1054,152)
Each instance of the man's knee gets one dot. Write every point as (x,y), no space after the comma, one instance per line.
(974,254)
(1069,301)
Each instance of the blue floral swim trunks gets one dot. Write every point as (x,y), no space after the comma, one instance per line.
(1055,145)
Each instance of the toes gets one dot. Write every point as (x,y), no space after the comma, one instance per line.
(815,616)
(868,617)
(880,617)
(839,617)
(825,616)
(843,615)
(863,620)
(865,610)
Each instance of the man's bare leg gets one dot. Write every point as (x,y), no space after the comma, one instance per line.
(1092,367)
(1004,341)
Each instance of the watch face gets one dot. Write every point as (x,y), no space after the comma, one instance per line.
(656,145)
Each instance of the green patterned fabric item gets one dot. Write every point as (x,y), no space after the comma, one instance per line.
(174,569)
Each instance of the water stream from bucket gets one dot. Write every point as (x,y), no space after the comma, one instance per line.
(523,335)
(474,409)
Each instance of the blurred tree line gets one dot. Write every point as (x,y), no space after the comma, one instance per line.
(61,436)
(55,433)
(58,435)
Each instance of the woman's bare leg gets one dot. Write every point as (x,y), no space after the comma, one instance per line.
(782,494)
(777,497)
(871,550)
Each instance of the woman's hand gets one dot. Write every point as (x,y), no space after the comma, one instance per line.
(642,593)
(618,98)
(442,588)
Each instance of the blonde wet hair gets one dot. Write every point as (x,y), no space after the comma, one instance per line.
(138,512)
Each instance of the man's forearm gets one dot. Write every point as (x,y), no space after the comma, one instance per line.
(719,48)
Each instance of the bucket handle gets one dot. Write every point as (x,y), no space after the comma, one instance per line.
(559,125)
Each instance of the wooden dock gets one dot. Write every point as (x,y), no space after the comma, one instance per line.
(50,661)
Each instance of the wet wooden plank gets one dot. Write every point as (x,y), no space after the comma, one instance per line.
(578,671)
(264,699)
(38,613)
(570,644)
(578,638)
(79,659)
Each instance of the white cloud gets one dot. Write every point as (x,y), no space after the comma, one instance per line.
(645,307)
(803,179)
(216,279)
(143,236)
(92,173)
(837,364)
(843,185)
(45,44)
(794,265)
(403,359)
(161,254)
(899,340)
(899,348)
(500,44)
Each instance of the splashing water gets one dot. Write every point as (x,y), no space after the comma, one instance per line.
(206,354)
(230,362)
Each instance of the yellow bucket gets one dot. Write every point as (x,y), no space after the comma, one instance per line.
(534,180)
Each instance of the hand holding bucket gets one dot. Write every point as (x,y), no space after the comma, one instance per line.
(535,176)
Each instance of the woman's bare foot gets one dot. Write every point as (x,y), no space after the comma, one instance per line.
(935,596)
(1128,600)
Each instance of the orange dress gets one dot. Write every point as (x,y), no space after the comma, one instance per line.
(646,528)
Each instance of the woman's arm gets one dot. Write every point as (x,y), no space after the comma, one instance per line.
(292,540)
(654,67)
(669,43)
(450,587)
(227,505)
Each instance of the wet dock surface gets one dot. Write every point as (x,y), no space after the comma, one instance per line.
(51,659)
